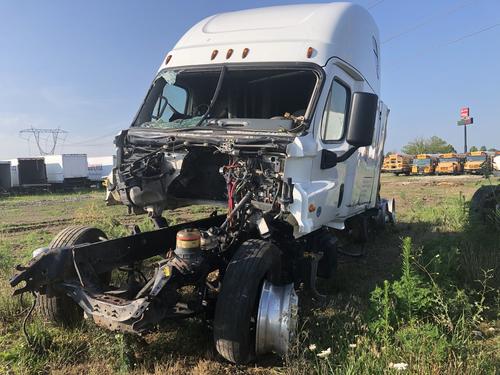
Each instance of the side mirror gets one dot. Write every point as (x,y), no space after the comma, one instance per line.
(364,108)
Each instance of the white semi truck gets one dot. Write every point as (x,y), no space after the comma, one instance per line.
(273,112)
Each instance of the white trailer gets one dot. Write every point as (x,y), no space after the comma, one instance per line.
(100,167)
(28,172)
(68,169)
(5,177)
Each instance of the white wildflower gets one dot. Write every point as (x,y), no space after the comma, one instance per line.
(324,353)
(312,347)
(352,345)
(398,366)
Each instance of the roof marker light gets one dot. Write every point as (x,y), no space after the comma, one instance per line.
(214,54)
(310,51)
(167,60)
(245,53)
(229,53)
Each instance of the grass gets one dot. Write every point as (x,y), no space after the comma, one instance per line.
(426,295)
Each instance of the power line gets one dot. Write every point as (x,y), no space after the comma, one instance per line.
(91,140)
(459,39)
(473,33)
(427,21)
(375,4)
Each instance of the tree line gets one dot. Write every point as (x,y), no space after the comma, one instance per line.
(434,145)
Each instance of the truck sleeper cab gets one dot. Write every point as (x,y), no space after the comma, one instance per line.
(273,113)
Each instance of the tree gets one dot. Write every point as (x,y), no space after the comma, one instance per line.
(432,145)
(492,149)
(483,148)
(473,148)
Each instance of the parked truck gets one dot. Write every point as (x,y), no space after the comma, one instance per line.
(424,164)
(450,163)
(67,170)
(273,112)
(5,177)
(477,162)
(397,164)
(28,173)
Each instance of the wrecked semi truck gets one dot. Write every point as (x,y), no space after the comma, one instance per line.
(272,112)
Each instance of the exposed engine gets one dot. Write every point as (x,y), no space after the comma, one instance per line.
(250,181)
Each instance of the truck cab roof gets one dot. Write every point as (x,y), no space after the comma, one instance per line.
(311,33)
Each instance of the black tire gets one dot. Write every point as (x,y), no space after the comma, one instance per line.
(234,334)
(484,202)
(55,306)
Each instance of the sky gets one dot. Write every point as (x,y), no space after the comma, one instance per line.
(85,66)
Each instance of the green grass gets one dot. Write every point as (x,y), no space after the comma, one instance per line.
(426,295)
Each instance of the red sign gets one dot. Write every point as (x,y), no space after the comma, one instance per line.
(464,112)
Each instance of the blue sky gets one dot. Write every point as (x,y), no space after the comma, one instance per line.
(85,66)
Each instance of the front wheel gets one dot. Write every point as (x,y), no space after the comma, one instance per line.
(55,306)
(251,283)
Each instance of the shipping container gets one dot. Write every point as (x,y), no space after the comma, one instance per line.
(68,169)
(100,167)
(5,178)
(28,172)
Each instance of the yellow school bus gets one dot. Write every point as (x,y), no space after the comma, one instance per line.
(477,162)
(450,163)
(424,164)
(397,164)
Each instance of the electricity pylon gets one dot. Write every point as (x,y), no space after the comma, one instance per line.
(46,139)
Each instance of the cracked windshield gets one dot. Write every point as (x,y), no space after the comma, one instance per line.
(184,99)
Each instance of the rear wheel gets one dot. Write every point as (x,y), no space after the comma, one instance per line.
(255,263)
(55,306)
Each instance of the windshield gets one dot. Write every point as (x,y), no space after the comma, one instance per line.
(182,98)
(448,160)
(422,162)
(476,158)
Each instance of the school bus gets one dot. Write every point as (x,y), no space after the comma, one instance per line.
(477,162)
(397,164)
(424,164)
(450,163)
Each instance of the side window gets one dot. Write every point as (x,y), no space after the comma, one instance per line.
(172,99)
(335,115)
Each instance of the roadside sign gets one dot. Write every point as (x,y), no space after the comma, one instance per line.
(464,112)
(466,121)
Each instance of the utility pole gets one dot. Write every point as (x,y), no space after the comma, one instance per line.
(46,139)
(465,139)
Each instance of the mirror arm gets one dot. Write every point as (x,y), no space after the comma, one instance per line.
(329,159)
(346,155)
